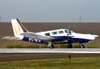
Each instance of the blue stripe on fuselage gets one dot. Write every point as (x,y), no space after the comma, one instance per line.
(80,40)
(34,40)
(57,39)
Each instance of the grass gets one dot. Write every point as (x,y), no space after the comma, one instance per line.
(64,63)
(21,44)
(39,46)
(93,45)
(75,45)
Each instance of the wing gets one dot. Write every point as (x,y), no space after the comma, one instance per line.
(36,36)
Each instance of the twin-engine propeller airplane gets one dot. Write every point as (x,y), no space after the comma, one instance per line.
(51,37)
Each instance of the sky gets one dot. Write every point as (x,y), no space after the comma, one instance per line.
(50,10)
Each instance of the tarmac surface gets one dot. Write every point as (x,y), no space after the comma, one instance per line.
(52,50)
(6,56)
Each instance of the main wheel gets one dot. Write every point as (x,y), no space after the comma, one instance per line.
(82,45)
(50,45)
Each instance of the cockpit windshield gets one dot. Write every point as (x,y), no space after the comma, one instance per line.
(68,30)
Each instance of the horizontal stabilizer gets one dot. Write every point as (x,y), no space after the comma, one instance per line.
(10,38)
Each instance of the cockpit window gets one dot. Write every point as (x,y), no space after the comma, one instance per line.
(66,31)
(60,32)
(54,33)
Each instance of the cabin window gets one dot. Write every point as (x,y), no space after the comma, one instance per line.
(60,32)
(54,33)
(47,34)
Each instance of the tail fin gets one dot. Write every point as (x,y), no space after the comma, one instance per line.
(18,28)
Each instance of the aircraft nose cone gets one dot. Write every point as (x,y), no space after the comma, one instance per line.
(96,36)
(93,37)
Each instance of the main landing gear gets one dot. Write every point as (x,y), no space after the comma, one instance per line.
(82,45)
(50,45)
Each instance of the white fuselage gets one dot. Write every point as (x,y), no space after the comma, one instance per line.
(65,32)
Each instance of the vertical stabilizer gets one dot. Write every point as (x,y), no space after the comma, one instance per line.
(18,28)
